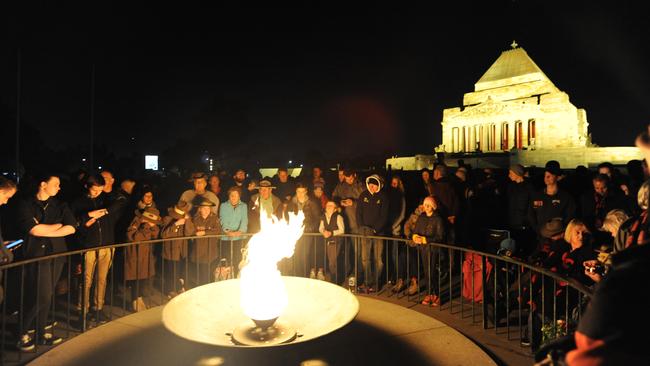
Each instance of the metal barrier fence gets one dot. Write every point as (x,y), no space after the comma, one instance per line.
(500,293)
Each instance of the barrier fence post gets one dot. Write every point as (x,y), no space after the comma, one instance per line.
(484,288)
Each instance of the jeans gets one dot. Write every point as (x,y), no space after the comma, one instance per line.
(376,247)
(101,259)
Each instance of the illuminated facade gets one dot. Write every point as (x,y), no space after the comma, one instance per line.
(517,115)
(514,105)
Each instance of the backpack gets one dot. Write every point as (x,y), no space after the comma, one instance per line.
(472,269)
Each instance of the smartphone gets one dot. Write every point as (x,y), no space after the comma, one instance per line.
(14,244)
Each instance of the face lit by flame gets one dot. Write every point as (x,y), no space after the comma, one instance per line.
(260,277)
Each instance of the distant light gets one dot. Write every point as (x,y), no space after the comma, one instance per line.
(132,138)
(99,167)
(84,159)
(301,165)
(290,161)
(151,162)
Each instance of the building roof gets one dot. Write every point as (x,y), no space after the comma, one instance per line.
(513,67)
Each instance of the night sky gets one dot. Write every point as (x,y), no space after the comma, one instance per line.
(290,81)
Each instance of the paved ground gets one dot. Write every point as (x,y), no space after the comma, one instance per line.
(503,348)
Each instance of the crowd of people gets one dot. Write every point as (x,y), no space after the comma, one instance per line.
(569,222)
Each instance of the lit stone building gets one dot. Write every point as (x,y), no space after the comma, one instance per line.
(513,106)
(517,115)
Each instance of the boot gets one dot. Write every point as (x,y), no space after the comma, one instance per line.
(182,285)
(320,275)
(399,286)
(139,305)
(413,287)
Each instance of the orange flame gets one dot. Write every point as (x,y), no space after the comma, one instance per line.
(263,295)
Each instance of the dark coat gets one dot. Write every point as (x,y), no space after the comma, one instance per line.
(519,197)
(32,212)
(396,210)
(372,211)
(312,210)
(284,190)
(175,250)
(594,216)
(121,203)
(139,260)
(612,320)
(205,250)
(444,192)
(102,231)
(432,227)
(544,207)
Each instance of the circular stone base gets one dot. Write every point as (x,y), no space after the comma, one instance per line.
(252,335)
(210,313)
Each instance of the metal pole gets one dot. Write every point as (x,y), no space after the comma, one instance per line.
(92,119)
(18,92)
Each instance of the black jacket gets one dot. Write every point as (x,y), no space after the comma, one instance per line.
(32,212)
(544,207)
(102,231)
(120,205)
(432,227)
(593,216)
(614,315)
(372,211)
(446,196)
(519,197)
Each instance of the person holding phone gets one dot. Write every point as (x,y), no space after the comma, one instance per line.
(94,218)
(45,222)
(7,190)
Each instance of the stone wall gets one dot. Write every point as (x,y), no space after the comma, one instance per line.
(572,157)
(569,158)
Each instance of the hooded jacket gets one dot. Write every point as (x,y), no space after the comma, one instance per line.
(372,209)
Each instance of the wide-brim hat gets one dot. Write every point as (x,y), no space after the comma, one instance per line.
(179,211)
(552,227)
(265,184)
(151,215)
(206,203)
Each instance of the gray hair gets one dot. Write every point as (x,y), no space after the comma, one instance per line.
(643,195)
(614,220)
